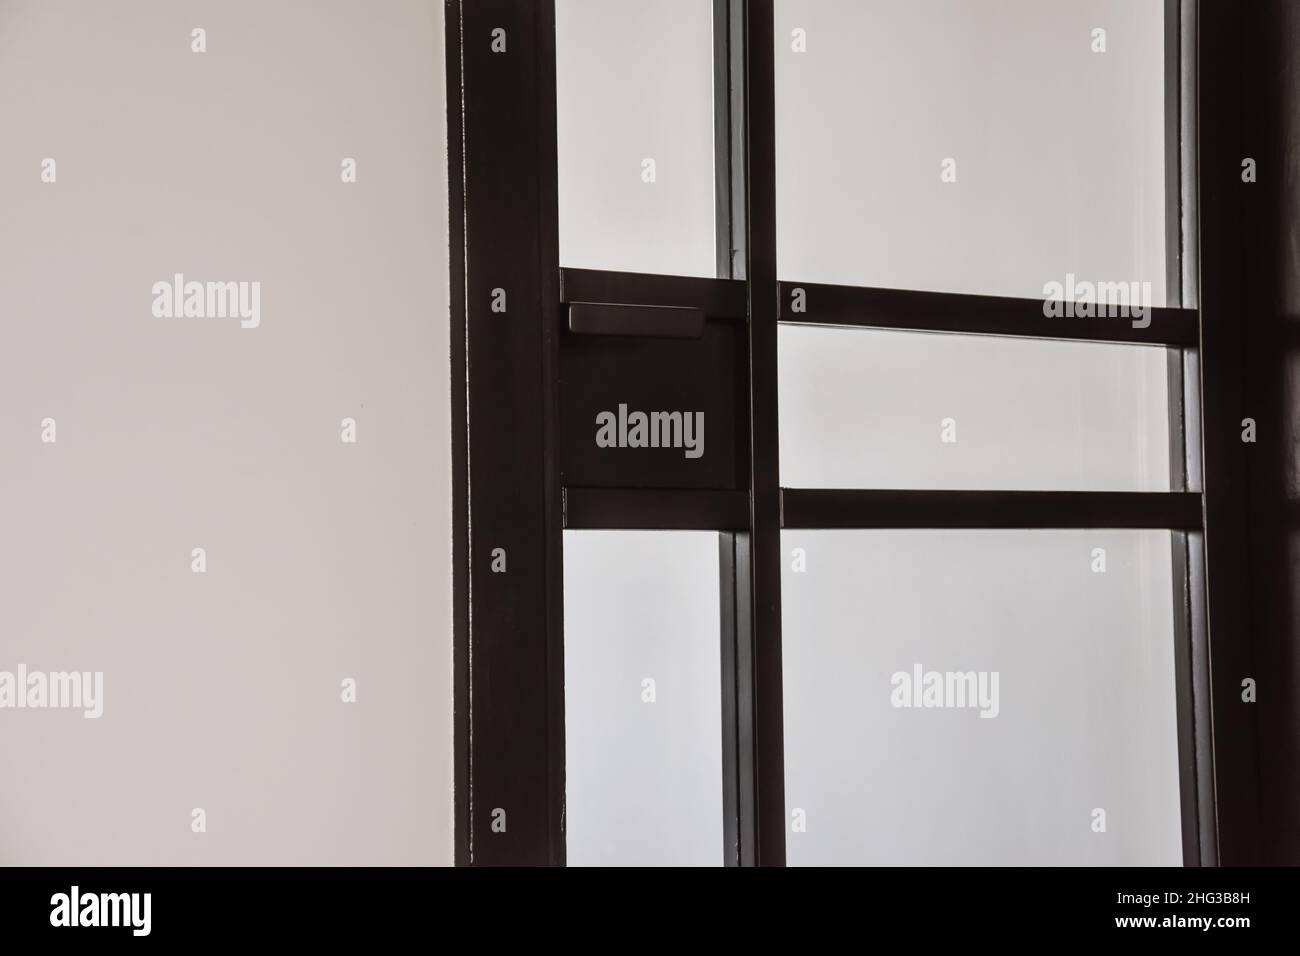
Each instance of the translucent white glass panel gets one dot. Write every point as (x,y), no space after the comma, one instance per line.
(865,408)
(970,145)
(634,101)
(642,698)
(1071,725)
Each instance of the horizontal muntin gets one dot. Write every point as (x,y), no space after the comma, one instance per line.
(850,509)
(905,309)
(652,509)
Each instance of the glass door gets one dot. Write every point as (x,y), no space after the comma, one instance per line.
(866,522)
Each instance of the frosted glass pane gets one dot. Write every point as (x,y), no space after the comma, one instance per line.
(643,777)
(634,86)
(866,408)
(1083,708)
(1058,150)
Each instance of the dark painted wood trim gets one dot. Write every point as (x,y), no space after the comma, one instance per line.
(825,508)
(908,310)
(765,494)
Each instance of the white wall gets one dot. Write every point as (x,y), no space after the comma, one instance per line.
(325,560)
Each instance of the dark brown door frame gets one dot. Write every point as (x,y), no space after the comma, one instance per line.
(508,291)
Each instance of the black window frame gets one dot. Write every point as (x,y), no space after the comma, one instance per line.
(507,491)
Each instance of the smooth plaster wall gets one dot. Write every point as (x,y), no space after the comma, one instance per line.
(325,560)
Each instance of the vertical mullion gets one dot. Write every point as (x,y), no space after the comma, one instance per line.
(1184,639)
(737,697)
(1202,738)
(1174,233)
(728,133)
(764,482)
(548,265)
(1194,550)
(730,755)
(1194,710)
(735,593)
(723,225)
(1188,171)
(1220,94)
(509,704)
(728,582)
(459,434)
(1184,691)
